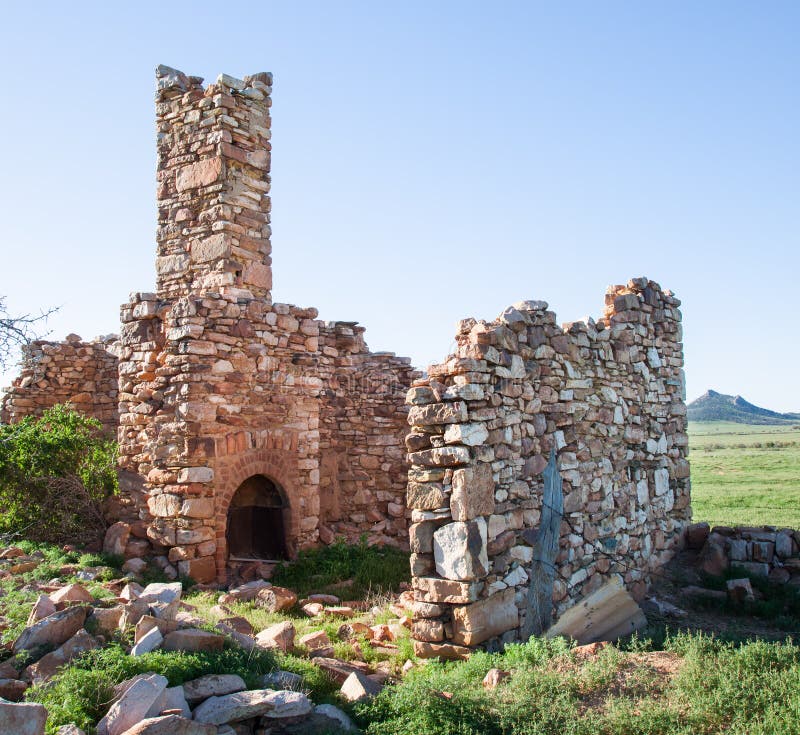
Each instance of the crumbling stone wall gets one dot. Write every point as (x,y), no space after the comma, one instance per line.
(217,383)
(608,398)
(83,374)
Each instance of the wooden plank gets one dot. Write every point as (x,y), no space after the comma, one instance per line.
(605,615)
(543,570)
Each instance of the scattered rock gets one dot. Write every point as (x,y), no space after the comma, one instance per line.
(105,620)
(253,703)
(275,599)
(313,609)
(212,685)
(171,725)
(163,599)
(332,712)
(316,640)
(53,630)
(148,642)
(495,677)
(43,607)
(71,593)
(359,687)
(280,636)
(12,689)
(239,624)
(244,593)
(133,705)
(193,639)
(25,718)
(46,666)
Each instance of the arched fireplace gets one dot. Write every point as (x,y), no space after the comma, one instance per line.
(257,521)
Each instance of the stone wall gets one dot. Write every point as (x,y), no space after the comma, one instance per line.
(82,374)
(762,551)
(607,397)
(218,384)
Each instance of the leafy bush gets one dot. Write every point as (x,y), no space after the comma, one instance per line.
(55,473)
(362,568)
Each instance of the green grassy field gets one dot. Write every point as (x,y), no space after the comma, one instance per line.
(744,474)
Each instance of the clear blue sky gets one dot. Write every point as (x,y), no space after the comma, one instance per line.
(435,160)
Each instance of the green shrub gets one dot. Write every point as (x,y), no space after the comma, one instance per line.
(55,473)
(363,569)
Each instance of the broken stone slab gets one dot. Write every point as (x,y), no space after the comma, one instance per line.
(71,593)
(148,642)
(212,685)
(48,665)
(171,725)
(275,599)
(739,590)
(163,599)
(132,706)
(280,636)
(25,718)
(53,630)
(316,640)
(193,639)
(244,593)
(254,703)
(43,607)
(459,550)
(105,620)
(69,730)
(495,677)
(171,701)
(339,670)
(359,687)
(605,615)
(451,412)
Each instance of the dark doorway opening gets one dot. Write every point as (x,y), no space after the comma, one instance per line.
(256,521)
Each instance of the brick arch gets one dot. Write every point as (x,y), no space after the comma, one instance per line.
(278,466)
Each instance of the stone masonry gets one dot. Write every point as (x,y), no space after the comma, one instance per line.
(608,398)
(83,374)
(218,384)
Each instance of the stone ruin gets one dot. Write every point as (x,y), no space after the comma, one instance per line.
(542,461)
(495,546)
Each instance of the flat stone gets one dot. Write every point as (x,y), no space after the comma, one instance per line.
(43,607)
(172,701)
(470,434)
(162,598)
(282,680)
(276,599)
(444,651)
(436,590)
(254,703)
(12,689)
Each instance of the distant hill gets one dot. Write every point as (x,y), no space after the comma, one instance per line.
(713,406)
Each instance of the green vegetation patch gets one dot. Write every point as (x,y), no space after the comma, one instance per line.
(351,572)
(695,685)
(745,475)
(55,473)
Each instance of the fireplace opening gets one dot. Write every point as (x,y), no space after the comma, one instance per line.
(256,521)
